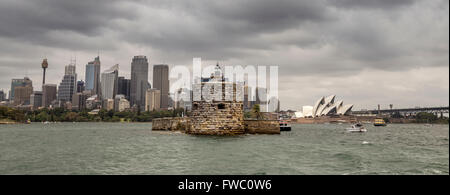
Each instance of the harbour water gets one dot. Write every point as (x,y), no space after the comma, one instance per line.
(132,148)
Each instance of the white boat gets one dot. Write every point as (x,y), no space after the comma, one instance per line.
(357,128)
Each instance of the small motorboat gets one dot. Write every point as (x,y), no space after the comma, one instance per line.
(358,128)
(284,126)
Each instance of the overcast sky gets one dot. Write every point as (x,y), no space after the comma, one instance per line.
(367,52)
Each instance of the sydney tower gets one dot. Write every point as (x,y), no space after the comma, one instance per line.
(44,66)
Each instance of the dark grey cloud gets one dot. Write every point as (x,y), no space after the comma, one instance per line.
(327,39)
(36,20)
(372,4)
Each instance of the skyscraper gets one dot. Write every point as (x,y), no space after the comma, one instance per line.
(109,82)
(80,86)
(161,82)
(123,86)
(19,82)
(2,95)
(67,87)
(93,76)
(48,94)
(22,95)
(36,99)
(139,81)
(79,101)
(152,99)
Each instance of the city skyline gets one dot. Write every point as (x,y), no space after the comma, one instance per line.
(368,53)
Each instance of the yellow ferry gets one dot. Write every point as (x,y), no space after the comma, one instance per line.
(379,122)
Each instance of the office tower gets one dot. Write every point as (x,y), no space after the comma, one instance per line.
(183,99)
(2,96)
(247,95)
(93,76)
(261,99)
(67,87)
(18,82)
(109,82)
(36,99)
(161,82)
(22,95)
(121,103)
(48,94)
(80,86)
(108,104)
(123,86)
(44,67)
(79,101)
(139,81)
(152,100)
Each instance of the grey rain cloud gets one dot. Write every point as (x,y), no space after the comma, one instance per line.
(323,39)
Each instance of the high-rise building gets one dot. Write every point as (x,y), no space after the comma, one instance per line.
(108,104)
(121,103)
(48,94)
(261,98)
(139,81)
(19,82)
(93,76)
(161,82)
(79,101)
(36,99)
(80,86)
(67,87)
(109,82)
(2,96)
(183,99)
(22,95)
(123,87)
(152,100)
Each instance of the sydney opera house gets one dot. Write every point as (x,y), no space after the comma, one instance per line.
(329,106)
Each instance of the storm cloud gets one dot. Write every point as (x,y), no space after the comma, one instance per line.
(321,47)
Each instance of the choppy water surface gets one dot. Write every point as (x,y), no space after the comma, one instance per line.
(117,148)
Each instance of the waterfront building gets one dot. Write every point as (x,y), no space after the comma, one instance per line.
(92,79)
(123,87)
(19,83)
(261,99)
(36,99)
(108,104)
(109,82)
(80,86)
(152,100)
(79,101)
(48,95)
(328,106)
(247,98)
(121,103)
(67,87)
(161,82)
(139,81)
(2,96)
(183,99)
(22,95)
(93,102)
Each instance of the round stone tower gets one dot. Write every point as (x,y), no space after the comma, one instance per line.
(217,110)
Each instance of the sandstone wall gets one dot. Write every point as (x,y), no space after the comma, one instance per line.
(217,118)
(170,124)
(262,126)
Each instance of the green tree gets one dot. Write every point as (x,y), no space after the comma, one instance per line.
(256,111)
